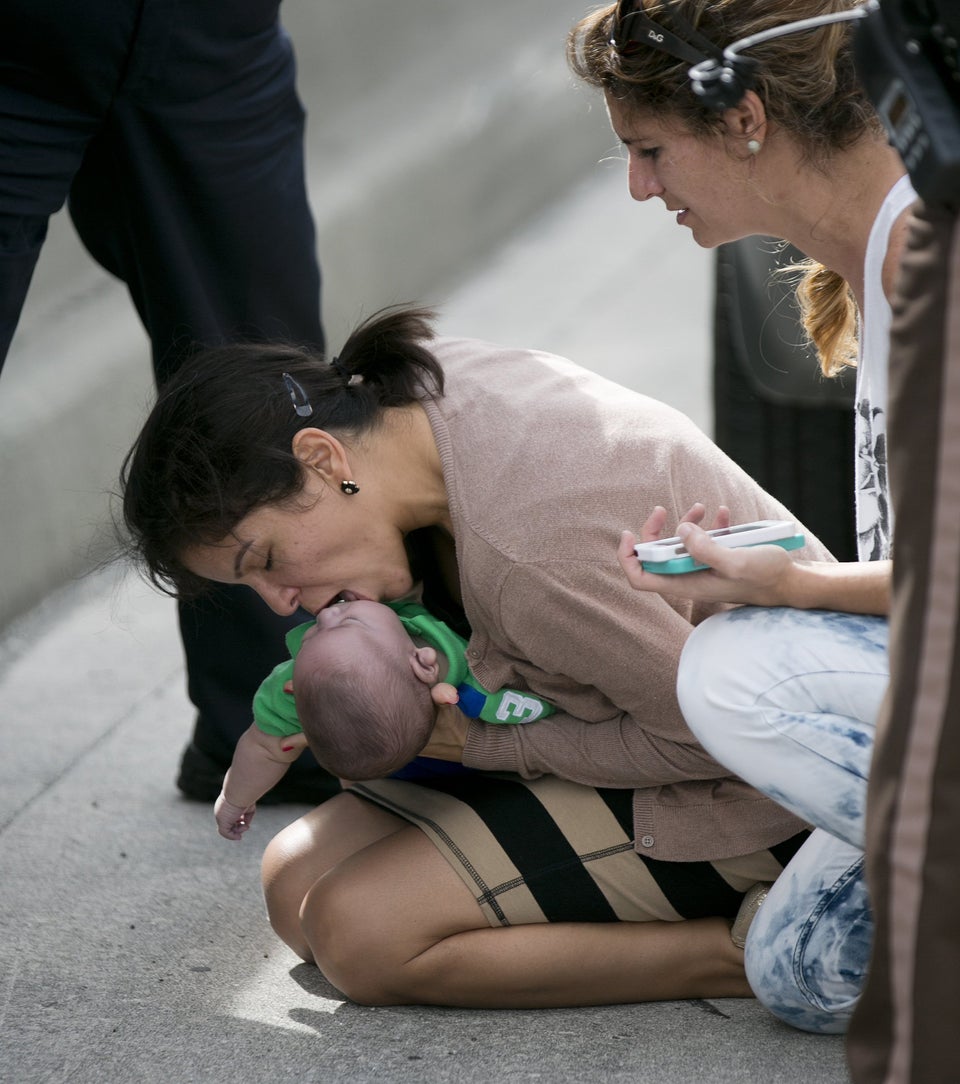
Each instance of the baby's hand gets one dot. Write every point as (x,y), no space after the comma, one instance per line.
(232,820)
(444,693)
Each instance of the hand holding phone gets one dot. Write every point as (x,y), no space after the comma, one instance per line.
(668,556)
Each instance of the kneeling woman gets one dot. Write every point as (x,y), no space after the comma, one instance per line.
(597,856)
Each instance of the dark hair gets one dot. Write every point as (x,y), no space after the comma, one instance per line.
(365,720)
(217,444)
(808,84)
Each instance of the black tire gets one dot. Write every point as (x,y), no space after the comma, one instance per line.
(773,413)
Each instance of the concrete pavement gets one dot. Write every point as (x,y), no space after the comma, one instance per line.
(134,943)
(434,131)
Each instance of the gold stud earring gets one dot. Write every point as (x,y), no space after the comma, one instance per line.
(349,487)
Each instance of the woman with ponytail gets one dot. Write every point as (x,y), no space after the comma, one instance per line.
(594,856)
(785,690)
(801,156)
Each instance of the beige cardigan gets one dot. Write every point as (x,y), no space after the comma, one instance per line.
(545,463)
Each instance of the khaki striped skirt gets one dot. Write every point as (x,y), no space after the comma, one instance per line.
(547,850)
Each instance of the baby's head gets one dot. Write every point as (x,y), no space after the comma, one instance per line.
(362,689)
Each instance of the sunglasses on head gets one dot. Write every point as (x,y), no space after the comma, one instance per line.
(634,30)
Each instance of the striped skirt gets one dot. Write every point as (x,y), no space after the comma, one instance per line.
(547,850)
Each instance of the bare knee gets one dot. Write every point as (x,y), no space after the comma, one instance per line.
(381,924)
(286,877)
(297,857)
(339,927)
(373,924)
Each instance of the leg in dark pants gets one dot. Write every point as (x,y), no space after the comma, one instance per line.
(903,1031)
(176,131)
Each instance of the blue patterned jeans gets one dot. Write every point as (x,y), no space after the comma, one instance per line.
(788,700)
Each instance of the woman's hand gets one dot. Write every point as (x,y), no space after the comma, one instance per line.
(652,531)
(449,736)
(758,575)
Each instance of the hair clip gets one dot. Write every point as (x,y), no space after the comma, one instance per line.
(301,404)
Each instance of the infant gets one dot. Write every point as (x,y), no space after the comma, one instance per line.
(371,679)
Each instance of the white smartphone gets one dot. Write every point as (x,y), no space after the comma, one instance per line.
(669,557)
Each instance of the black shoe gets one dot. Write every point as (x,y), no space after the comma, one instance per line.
(201,779)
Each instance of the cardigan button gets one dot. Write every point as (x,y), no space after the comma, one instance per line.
(647,841)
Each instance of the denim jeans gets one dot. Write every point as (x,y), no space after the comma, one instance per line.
(788,700)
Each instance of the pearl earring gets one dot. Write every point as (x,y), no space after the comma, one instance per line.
(754,145)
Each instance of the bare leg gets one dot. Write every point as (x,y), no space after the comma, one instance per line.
(394,924)
(305,850)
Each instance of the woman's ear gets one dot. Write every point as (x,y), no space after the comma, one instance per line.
(320,451)
(746,120)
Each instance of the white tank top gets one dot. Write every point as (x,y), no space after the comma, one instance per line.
(874,513)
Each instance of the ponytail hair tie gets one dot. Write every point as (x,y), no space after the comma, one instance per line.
(349,379)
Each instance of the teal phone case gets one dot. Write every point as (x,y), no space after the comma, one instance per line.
(688,564)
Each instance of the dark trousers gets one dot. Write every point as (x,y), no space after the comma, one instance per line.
(904,1029)
(174,130)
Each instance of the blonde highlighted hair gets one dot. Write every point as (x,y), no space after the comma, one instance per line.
(807,83)
(828,314)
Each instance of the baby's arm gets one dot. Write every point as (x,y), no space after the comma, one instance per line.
(259,762)
(505,706)
(444,693)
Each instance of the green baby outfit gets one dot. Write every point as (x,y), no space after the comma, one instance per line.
(274,711)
